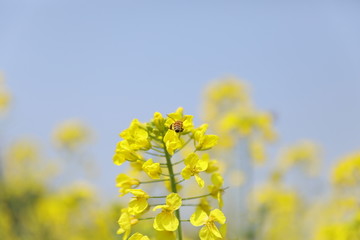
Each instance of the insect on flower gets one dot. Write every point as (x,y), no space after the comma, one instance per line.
(177,125)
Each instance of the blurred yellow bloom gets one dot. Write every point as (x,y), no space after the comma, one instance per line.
(166,220)
(304,154)
(168,235)
(193,166)
(204,205)
(339,231)
(125,222)
(224,95)
(152,169)
(213,165)
(264,121)
(124,182)
(216,190)
(4,95)
(4,100)
(139,203)
(71,134)
(347,171)
(257,150)
(202,141)
(23,151)
(172,141)
(139,236)
(209,231)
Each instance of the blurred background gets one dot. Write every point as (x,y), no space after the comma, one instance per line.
(98,65)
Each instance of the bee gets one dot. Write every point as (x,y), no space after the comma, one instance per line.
(177,126)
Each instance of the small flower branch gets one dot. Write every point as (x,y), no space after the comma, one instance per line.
(173,187)
(201,196)
(153,181)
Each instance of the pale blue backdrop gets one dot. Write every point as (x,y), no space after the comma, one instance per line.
(108,62)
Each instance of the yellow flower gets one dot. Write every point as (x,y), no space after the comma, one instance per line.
(204,205)
(139,236)
(193,166)
(257,150)
(71,134)
(139,203)
(124,182)
(125,222)
(166,220)
(216,190)
(23,151)
(347,171)
(125,152)
(202,141)
(303,154)
(4,95)
(152,169)
(209,231)
(158,121)
(179,116)
(172,141)
(136,136)
(264,122)
(213,165)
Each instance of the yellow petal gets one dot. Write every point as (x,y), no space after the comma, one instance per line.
(209,142)
(173,200)
(118,159)
(186,173)
(199,180)
(137,206)
(217,179)
(209,232)
(218,216)
(191,159)
(172,141)
(198,218)
(166,221)
(202,164)
(138,193)
(152,169)
(138,236)
(159,207)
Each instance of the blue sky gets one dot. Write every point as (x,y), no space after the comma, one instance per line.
(107,62)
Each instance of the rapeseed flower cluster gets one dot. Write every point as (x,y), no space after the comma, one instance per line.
(168,152)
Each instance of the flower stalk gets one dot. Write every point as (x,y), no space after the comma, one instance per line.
(164,139)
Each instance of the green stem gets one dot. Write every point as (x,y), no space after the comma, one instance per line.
(160,180)
(186,143)
(175,163)
(158,197)
(201,196)
(157,150)
(173,187)
(149,218)
(197,197)
(167,175)
(180,181)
